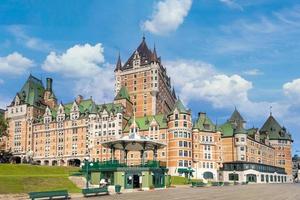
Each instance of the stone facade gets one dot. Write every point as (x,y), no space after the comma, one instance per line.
(66,134)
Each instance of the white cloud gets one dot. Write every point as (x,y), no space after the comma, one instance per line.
(100,86)
(202,82)
(268,34)
(167,16)
(77,61)
(30,42)
(15,63)
(292,90)
(253,72)
(232,4)
(85,66)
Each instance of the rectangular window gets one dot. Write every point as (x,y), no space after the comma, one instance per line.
(180,163)
(180,153)
(233,177)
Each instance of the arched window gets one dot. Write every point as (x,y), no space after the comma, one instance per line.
(208,175)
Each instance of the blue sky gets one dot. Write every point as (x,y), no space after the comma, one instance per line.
(232,52)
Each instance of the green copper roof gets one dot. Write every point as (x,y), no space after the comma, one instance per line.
(88,106)
(251,132)
(32,92)
(180,107)
(203,123)
(236,117)
(143,123)
(123,94)
(227,130)
(274,130)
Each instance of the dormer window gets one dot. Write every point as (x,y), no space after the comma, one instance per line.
(206,126)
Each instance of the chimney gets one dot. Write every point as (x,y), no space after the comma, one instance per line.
(49,84)
(201,114)
(79,98)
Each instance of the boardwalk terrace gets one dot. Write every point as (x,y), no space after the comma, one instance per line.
(145,103)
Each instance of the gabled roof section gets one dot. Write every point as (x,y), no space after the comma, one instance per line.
(144,123)
(32,92)
(88,106)
(144,53)
(236,117)
(274,130)
(123,94)
(203,123)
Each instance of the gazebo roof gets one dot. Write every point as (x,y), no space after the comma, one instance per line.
(134,142)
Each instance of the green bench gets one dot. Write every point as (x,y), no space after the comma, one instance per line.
(49,194)
(94,191)
(198,184)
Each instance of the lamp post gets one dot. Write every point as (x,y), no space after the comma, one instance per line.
(87,164)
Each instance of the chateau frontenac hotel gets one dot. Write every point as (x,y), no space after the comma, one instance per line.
(53,133)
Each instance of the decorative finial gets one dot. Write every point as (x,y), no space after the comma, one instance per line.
(270,110)
(144,37)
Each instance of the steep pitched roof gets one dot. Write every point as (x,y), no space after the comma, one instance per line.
(144,53)
(123,94)
(203,123)
(236,117)
(274,130)
(32,92)
(180,107)
(144,123)
(227,130)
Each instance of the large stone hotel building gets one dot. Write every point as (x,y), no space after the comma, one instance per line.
(53,133)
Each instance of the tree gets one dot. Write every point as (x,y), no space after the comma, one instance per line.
(5,156)
(3,126)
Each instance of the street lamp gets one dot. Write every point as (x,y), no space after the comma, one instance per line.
(87,164)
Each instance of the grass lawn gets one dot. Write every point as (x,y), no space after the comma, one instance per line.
(28,178)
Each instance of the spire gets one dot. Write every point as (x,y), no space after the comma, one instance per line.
(144,38)
(119,63)
(173,93)
(154,55)
(270,110)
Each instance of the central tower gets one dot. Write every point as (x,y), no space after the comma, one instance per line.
(147,82)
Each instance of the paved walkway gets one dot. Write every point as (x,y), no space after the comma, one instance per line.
(242,192)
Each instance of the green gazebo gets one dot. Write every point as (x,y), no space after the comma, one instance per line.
(146,175)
